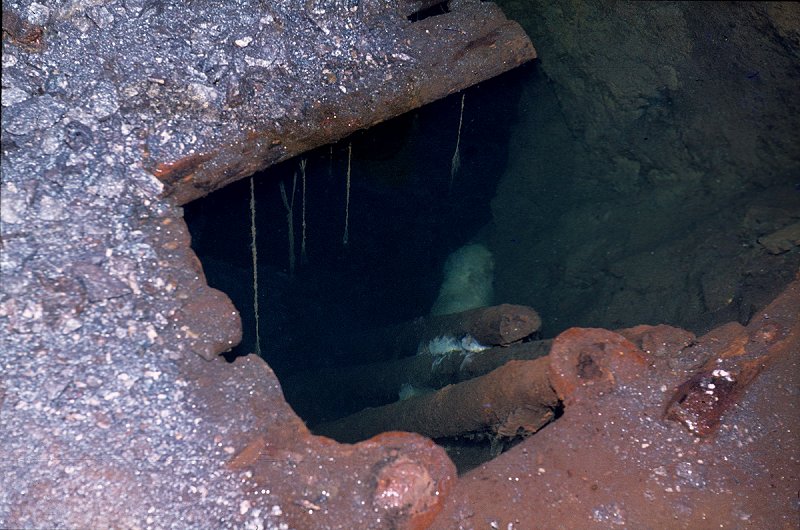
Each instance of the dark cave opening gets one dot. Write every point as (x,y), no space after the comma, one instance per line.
(585,243)
(406,214)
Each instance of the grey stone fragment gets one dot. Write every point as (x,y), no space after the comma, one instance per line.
(52,140)
(12,207)
(32,114)
(56,84)
(104,101)
(13,95)
(51,209)
(38,14)
(202,94)
(101,16)
(99,284)
(78,136)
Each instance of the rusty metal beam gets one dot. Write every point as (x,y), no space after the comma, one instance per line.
(434,57)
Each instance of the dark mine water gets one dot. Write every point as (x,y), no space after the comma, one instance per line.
(627,177)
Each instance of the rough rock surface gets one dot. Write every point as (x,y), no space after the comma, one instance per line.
(663,145)
(105,316)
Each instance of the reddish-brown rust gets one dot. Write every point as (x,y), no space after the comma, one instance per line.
(250,454)
(22,33)
(319,396)
(611,460)
(660,340)
(486,41)
(203,303)
(504,324)
(183,170)
(592,360)
(701,401)
(209,342)
(405,491)
(491,326)
(395,480)
(513,399)
(474,42)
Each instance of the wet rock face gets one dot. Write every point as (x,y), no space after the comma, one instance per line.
(650,87)
(668,141)
(113,114)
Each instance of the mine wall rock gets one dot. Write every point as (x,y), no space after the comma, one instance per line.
(686,121)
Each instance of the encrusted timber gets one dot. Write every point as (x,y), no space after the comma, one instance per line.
(473,42)
(498,325)
(319,396)
(516,398)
